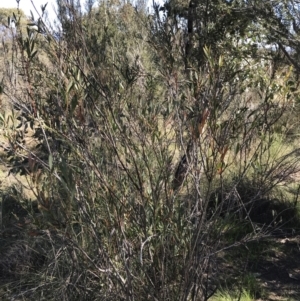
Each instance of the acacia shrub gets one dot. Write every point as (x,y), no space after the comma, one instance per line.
(132,150)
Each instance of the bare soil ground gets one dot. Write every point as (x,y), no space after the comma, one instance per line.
(279,272)
(274,267)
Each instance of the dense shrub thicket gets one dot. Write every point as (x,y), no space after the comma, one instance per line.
(147,139)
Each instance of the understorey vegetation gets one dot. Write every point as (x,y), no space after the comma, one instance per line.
(155,143)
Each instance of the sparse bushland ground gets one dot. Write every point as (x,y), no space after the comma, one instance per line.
(152,161)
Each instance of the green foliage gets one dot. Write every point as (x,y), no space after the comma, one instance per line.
(144,135)
(11,14)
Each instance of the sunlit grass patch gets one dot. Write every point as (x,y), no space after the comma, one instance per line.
(232,296)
